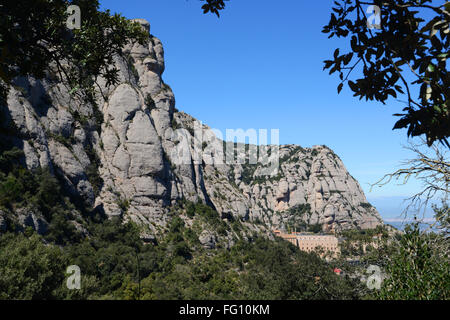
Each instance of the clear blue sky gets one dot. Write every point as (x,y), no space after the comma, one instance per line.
(260,66)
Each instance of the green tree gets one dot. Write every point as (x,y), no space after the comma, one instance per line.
(418,268)
(29,269)
(405,45)
(35,41)
(442,215)
(213,6)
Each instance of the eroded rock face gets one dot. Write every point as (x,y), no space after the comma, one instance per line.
(312,187)
(149,155)
(28,218)
(207,239)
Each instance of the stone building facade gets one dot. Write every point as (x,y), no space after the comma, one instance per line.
(311,242)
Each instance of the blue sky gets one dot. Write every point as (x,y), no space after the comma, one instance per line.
(260,66)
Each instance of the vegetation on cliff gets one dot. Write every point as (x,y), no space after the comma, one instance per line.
(116,264)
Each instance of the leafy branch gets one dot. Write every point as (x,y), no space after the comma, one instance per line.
(404,39)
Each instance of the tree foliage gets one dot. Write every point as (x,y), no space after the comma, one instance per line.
(28,268)
(406,45)
(213,6)
(419,268)
(113,260)
(35,40)
(116,264)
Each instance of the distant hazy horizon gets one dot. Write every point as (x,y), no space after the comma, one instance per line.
(392,208)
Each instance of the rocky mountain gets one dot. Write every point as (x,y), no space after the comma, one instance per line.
(130,152)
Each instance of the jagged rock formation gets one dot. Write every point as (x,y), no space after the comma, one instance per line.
(132,153)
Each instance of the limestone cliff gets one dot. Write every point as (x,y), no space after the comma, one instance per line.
(120,154)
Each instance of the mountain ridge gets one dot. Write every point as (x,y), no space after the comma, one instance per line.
(120,154)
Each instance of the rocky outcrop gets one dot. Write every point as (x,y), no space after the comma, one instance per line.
(148,156)
(208,239)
